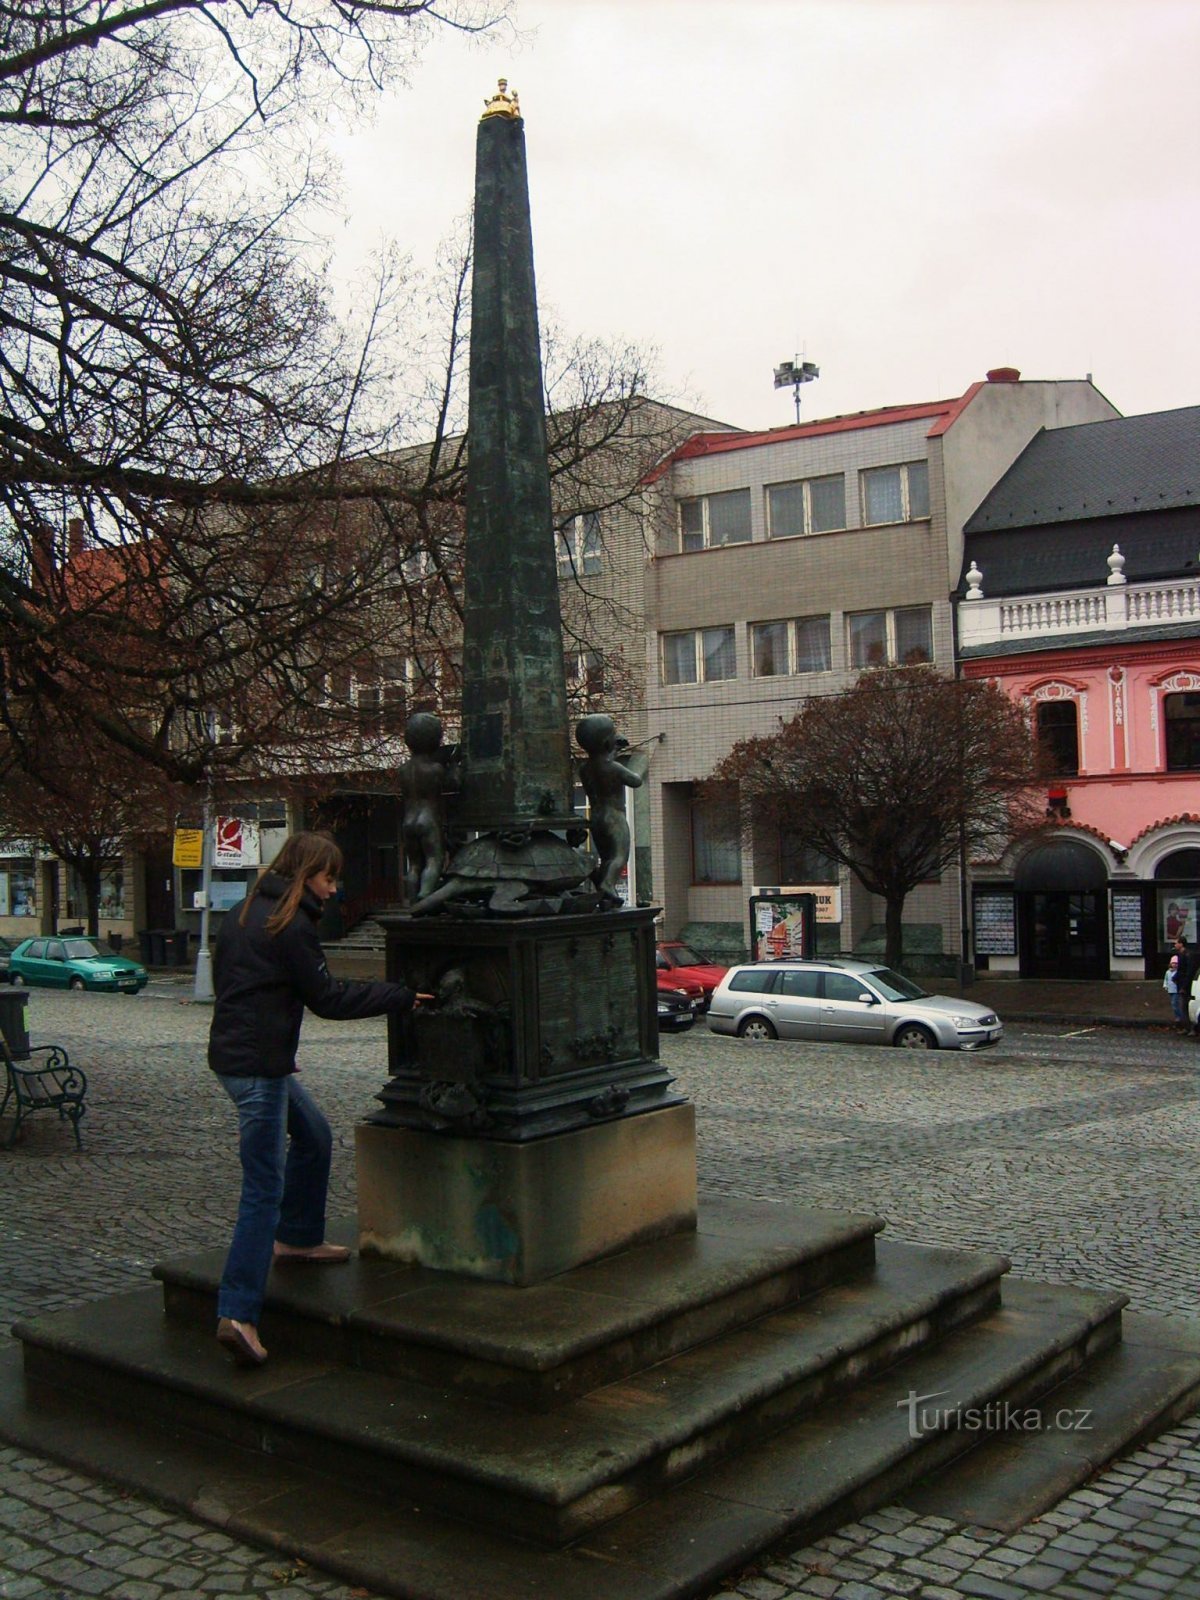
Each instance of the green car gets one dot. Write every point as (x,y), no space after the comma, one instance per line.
(74,964)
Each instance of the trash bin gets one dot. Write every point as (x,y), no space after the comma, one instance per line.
(176,941)
(12,1022)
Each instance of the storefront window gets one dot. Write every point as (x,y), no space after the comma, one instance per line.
(16,892)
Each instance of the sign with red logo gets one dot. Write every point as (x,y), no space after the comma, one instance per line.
(235,843)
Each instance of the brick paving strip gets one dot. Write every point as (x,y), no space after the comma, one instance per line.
(1074,1155)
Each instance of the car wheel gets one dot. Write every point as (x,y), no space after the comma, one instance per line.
(77,983)
(17,980)
(912,1036)
(756,1028)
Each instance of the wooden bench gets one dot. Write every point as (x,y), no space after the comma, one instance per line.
(52,1084)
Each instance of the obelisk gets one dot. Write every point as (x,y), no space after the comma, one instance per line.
(517,759)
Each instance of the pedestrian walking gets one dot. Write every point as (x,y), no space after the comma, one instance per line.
(268,967)
(1185,973)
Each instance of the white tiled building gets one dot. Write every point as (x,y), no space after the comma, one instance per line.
(784,562)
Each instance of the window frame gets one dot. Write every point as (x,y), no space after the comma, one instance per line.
(1046,741)
(805,485)
(699,655)
(704,501)
(579,546)
(903,468)
(1168,722)
(891,657)
(792,667)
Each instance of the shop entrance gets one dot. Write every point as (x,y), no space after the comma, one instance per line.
(1062,911)
(1066,936)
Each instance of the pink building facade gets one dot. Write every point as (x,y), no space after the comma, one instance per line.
(1105,657)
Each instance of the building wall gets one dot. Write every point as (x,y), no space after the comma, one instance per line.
(988,434)
(1123,795)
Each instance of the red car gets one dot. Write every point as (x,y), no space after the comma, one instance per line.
(682,963)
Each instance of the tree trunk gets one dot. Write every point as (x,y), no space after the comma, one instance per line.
(91,890)
(893,923)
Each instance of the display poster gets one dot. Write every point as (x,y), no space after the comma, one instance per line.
(783,925)
(235,843)
(995,924)
(1126,924)
(189,847)
(1180,916)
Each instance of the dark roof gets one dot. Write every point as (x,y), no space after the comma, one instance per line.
(1039,643)
(1074,555)
(1098,469)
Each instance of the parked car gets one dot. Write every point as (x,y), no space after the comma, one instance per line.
(6,950)
(851,1000)
(682,962)
(74,964)
(680,1001)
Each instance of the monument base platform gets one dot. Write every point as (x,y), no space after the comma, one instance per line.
(520,1213)
(636,1429)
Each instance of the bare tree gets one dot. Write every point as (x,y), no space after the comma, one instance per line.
(172,380)
(893,778)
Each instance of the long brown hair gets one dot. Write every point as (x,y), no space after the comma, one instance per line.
(302,857)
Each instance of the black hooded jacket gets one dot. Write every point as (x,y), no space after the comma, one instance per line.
(264,981)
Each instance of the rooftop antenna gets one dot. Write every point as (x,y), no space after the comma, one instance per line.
(791,374)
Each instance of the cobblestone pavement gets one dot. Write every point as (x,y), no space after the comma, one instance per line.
(1073,1150)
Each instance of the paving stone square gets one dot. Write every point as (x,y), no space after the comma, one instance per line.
(1071,1150)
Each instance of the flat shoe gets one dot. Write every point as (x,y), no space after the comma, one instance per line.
(231,1337)
(318,1255)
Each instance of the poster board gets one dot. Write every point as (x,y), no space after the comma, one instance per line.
(995,923)
(1126,923)
(783,925)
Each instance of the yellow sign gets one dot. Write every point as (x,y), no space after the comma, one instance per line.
(189,847)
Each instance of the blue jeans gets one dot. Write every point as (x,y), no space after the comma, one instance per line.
(1178,1004)
(286,1148)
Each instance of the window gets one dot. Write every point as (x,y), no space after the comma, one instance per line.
(1058,736)
(585,676)
(802,985)
(800,863)
(580,546)
(896,494)
(754,981)
(778,649)
(902,638)
(843,986)
(714,519)
(716,850)
(1181,713)
(702,655)
(817,505)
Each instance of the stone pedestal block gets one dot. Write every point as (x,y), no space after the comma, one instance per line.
(522,1212)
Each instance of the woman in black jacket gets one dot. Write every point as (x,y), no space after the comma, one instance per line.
(268,966)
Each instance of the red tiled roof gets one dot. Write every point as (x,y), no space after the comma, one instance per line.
(712,444)
(1166,822)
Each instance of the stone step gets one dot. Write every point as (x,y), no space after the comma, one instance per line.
(850,1455)
(1116,1402)
(547,1476)
(544,1345)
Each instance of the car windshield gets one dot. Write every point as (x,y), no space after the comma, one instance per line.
(684,956)
(895,986)
(80,949)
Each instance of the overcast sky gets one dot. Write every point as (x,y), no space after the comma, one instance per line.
(910,193)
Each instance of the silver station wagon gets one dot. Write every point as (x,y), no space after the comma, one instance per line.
(849,1000)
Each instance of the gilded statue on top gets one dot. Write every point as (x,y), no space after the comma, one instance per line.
(502,104)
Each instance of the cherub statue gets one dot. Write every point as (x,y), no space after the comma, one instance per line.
(423,780)
(604,781)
